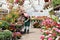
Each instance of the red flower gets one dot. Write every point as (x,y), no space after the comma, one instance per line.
(48,23)
(16,1)
(42,37)
(15,34)
(47,32)
(54,34)
(58,25)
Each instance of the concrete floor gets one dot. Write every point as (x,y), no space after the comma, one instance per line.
(33,35)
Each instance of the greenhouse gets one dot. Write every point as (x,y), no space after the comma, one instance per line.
(29,19)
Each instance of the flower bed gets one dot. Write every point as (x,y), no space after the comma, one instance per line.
(50,30)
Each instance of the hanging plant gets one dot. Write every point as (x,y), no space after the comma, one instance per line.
(56,2)
(11,1)
(21,2)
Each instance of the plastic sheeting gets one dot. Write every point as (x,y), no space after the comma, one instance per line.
(30,10)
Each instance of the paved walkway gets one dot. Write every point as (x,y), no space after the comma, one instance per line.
(33,35)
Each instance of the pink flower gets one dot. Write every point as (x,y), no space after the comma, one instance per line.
(56,29)
(50,38)
(42,37)
(41,30)
(47,32)
(54,34)
(48,22)
(58,25)
(16,1)
(53,23)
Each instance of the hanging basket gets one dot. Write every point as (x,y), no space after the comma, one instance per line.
(46,0)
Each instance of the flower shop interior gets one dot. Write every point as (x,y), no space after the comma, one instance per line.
(29,19)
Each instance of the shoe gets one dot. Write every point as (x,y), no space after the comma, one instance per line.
(27,31)
(24,30)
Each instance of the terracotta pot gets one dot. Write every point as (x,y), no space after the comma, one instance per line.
(46,0)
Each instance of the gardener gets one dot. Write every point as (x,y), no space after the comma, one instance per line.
(27,25)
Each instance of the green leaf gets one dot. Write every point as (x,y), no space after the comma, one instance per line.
(56,2)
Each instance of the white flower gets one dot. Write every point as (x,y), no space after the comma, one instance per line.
(57,37)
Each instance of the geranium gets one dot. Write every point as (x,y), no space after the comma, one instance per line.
(42,37)
(48,23)
(57,30)
(58,25)
(47,32)
(52,31)
(50,38)
(54,34)
(17,34)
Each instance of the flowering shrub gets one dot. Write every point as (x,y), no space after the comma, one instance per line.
(36,25)
(53,32)
(48,23)
(17,34)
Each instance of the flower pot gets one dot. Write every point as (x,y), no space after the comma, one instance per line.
(46,0)
(18,37)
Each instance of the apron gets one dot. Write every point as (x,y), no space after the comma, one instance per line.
(27,23)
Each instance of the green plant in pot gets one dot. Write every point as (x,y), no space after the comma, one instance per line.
(12,16)
(4,24)
(55,3)
(2,36)
(7,34)
(51,13)
(0,24)
(8,18)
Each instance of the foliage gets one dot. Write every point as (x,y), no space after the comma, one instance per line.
(7,33)
(4,24)
(12,16)
(1,36)
(55,18)
(17,34)
(11,1)
(21,2)
(51,12)
(48,23)
(36,25)
(52,33)
(56,2)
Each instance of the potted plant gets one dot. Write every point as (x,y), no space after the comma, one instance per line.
(36,25)
(55,3)
(2,36)
(7,34)
(4,24)
(17,35)
(12,16)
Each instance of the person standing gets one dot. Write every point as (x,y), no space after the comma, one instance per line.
(27,25)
